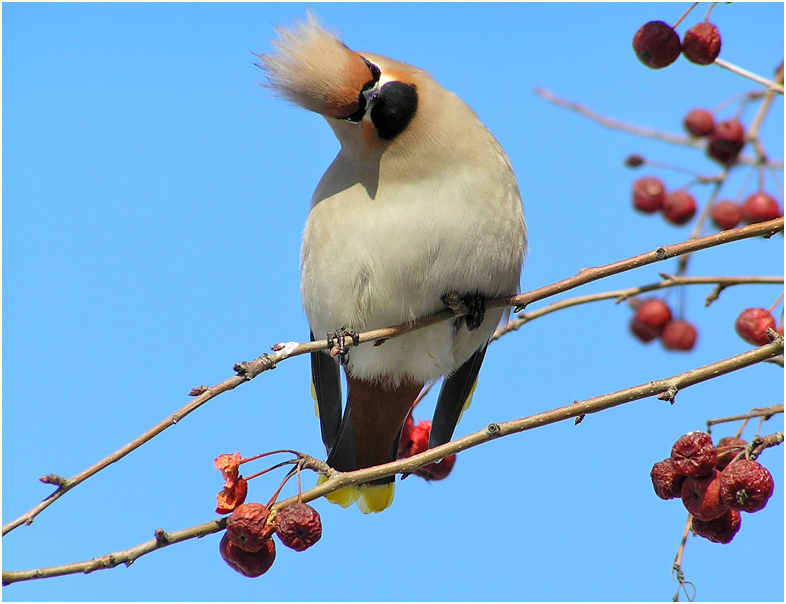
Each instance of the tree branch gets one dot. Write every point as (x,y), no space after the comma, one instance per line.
(663,389)
(251,369)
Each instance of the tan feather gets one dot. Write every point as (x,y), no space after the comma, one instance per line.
(314,69)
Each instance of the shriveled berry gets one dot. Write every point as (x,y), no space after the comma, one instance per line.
(726,214)
(665,480)
(701,496)
(726,141)
(760,207)
(752,325)
(656,44)
(728,448)
(247,526)
(746,485)
(701,44)
(298,526)
(679,207)
(249,564)
(694,454)
(648,194)
(649,319)
(699,123)
(720,530)
(679,335)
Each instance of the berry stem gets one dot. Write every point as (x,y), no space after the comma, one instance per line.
(709,10)
(778,301)
(677,566)
(289,475)
(270,469)
(685,14)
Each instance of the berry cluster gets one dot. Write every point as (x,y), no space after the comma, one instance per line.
(653,319)
(714,483)
(657,45)
(248,547)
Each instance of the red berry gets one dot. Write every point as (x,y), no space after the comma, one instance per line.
(249,564)
(656,44)
(648,194)
(650,318)
(719,530)
(665,480)
(678,335)
(726,214)
(679,207)
(701,496)
(699,123)
(247,526)
(728,448)
(746,485)
(701,44)
(726,141)
(414,440)
(752,325)
(298,526)
(760,207)
(437,470)
(694,454)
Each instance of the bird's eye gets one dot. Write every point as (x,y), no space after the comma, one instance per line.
(375,74)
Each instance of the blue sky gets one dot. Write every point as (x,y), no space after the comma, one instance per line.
(153,202)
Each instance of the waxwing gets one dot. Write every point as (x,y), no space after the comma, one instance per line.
(420,203)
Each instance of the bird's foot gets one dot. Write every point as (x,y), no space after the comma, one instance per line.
(338,343)
(471,306)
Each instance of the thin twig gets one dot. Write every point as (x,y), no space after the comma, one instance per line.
(677,566)
(769,84)
(337,480)
(251,369)
(765,412)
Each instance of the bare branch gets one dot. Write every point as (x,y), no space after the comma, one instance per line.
(251,369)
(337,480)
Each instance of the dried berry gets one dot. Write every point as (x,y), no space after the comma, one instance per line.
(656,44)
(230,498)
(726,141)
(648,194)
(752,325)
(701,496)
(726,214)
(679,335)
(679,207)
(728,448)
(298,526)
(650,318)
(760,207)
(247,527)
(699,123)
(719,530)
(746,485)
(249,564)
(694,454)
(701,44)
(665,480)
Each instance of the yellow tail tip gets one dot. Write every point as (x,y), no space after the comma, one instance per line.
(371,498)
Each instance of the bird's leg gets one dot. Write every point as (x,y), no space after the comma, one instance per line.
(338,347)
(471,306)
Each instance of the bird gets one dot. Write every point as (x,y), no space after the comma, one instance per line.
(419,209)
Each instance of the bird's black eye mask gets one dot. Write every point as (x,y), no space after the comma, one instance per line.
(375,73)
(392,106)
